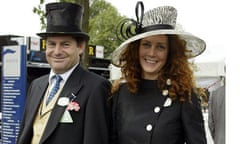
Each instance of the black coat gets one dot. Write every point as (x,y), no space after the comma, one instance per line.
(90,124)
(136,120)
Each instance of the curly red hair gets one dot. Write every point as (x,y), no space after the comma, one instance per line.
(177,68)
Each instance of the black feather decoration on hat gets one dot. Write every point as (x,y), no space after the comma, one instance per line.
(126,29)
(130,27)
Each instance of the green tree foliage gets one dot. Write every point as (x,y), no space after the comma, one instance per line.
(103,18)
(40,11)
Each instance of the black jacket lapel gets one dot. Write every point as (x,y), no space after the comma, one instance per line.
(37,96)
(31,108)
(73,85)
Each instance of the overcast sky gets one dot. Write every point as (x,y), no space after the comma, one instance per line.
(203,18)
(207,19)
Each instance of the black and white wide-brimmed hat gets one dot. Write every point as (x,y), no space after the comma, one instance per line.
(161,20)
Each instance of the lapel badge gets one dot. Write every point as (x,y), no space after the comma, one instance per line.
(63,101)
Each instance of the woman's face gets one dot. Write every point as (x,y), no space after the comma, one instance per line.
(153,53)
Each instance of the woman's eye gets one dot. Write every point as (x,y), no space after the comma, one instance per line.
(161,47)
(146,45)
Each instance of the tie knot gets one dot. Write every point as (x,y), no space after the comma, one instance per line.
(55,88)
(58,78)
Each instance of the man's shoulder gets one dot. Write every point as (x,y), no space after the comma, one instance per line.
(41,78)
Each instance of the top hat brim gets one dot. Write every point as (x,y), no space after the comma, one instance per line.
(83,35)
(195,45)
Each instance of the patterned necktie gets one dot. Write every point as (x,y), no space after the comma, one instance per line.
(54,89)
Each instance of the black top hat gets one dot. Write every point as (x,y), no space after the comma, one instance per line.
(64,19)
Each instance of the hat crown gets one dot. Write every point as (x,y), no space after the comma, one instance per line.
(165,15)
(161,18)
(64,17)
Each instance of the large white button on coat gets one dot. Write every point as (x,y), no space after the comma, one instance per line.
(149,127)
(157,109)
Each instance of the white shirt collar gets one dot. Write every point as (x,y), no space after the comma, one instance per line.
(64,76)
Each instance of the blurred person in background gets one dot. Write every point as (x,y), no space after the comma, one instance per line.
(216,114)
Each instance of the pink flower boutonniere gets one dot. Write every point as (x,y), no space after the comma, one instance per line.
(73,106)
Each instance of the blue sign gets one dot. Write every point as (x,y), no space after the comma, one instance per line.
(13,91)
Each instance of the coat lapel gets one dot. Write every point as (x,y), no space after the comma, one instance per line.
(73,85)
(37,98)
(32,106)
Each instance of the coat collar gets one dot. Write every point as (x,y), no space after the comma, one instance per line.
(73,85)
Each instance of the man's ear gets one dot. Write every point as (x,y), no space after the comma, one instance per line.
(82,47)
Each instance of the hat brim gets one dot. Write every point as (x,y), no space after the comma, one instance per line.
(83,35)
(195,45)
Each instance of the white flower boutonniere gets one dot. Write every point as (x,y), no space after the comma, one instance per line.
(167,102)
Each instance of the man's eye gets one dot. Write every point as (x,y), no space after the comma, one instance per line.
(50,44)
(66,44)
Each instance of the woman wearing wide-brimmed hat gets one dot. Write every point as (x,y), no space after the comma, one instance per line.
(155,99)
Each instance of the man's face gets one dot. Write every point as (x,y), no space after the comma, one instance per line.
(62,52)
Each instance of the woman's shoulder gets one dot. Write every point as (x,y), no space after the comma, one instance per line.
(121,88)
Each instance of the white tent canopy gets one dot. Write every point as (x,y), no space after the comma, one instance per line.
(210,69)
(208,74)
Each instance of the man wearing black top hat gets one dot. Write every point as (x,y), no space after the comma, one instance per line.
(69,105)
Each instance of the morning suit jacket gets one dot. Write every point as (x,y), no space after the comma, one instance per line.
(216,115)
(90,124)
(140,119)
